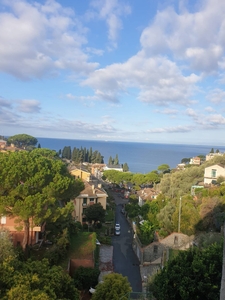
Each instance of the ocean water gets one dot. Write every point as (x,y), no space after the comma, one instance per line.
(140,157)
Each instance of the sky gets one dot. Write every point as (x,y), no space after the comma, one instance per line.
(117,70)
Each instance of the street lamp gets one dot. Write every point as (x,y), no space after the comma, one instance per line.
(179,215)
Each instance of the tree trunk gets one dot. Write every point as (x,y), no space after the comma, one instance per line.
(222,287)
(25,242)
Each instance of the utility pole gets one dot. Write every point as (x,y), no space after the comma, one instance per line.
(179,215)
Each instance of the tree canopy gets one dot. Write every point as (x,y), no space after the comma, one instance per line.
(35,280)
(114,286)
(192,274)
(95,213)
(22,140)
(35,188)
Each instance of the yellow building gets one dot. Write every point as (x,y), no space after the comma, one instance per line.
(82,174)
(91,194)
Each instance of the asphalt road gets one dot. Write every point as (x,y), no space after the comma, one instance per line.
(125,260)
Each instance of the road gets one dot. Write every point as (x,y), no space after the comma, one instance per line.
(125,260)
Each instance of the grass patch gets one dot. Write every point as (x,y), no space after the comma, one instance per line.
(82,245)
(109,216)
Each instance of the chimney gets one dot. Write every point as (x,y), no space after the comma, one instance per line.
(99,185)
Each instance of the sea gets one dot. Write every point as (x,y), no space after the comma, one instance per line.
(140,157)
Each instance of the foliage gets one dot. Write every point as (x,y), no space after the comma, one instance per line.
(133,210)
(35,280)
(22,140)
(163,168)
(146,232)
(6,245)
(85,155)
(35,188)
(137,179)
(178,183)
(114,286)
(125,167)
(95,213)
(66,152)
(192,274)
(165,217)
(84,278)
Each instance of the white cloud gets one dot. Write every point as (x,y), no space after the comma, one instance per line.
(36,40)
(112,11)
(209,109)
(29,106)
(198,37)
(217,96)
(158,80)
(171,129)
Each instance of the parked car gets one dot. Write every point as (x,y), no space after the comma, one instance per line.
(117,226)
(117,231)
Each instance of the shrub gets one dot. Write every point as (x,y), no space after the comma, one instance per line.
(84,278)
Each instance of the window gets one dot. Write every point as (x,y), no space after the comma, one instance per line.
(92,200)
(155,249)
(3,219)
(84,201)
(84,211)
(213,173)
(176,240)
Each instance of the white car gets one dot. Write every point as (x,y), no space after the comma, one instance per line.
(117,226)
(117,231)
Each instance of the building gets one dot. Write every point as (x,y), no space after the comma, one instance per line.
(146,194)
(10,224)
(113,167)
(212,155)
(81,174)
(3,143)
(195,161)
(213,172)
(93,193)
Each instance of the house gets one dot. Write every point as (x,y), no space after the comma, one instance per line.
(10,224)
(195,161)
(154,256)
(181,166)
(97,169)
(146,194)
(113,167)
(212,155)
(213,172)
(3,143)
(81,173)
(93,193)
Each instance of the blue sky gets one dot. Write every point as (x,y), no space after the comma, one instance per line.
(120,70)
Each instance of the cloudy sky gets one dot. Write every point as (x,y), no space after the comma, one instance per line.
(120,70)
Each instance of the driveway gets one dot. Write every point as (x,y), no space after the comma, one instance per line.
(125,260)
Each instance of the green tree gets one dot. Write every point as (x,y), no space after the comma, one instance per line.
(84,278)
(110,162)
(6,245)
(185,160)
(34,279)
(66,153)
(164,168)
(114,286)
(116,160)
(95,213)
(192,274)
(125,167)
(22,140)
(32,187)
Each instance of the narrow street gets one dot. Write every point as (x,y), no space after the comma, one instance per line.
(124,259)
